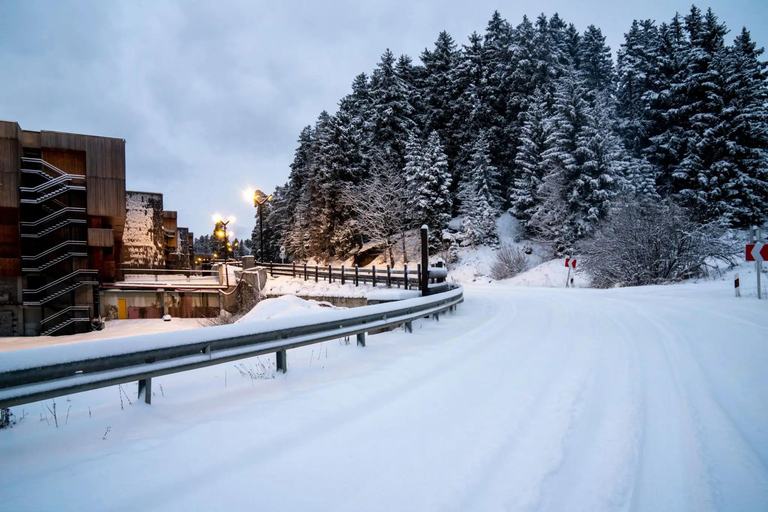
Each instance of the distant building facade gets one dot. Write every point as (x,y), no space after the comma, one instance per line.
(62,215)
(68,226)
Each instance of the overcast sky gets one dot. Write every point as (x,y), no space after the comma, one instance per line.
(210,96)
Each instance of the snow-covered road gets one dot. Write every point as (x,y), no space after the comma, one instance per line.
(524,399)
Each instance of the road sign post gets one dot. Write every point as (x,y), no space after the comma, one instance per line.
(757,252)
(571,264)
(736,285)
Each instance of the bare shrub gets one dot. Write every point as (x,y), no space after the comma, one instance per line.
(651,243)
(509,262)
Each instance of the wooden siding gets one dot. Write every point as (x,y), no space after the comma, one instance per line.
(10,130)
(105,156)
(98,237)
(10,267)
(10,160)
(30,139)
(71,162)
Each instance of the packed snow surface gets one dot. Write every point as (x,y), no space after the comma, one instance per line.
(647,399)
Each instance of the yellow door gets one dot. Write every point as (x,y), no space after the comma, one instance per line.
(122,309)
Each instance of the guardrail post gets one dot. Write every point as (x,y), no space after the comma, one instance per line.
(294,270)
(357,275)
(418,275)
(317,272)
(342,275)
(361,339)
(330,274)
(424,260)
(145,386)
(409,326)
(389,277)
(305,271)
(281,361)
(271,270)
(373,274)
(405,276)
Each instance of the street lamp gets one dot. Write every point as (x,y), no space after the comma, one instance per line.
(259,200)
(221,232)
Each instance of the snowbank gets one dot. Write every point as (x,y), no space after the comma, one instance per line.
(283,307)
(282,285)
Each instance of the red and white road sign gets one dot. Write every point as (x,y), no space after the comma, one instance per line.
(757,252)
(570,263)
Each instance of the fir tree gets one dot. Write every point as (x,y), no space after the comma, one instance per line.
(393,115)
(429,183)
(531,163)
(477,201)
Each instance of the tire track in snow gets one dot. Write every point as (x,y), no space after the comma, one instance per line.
(533,445)
(733,469)
(673,472)
(602,450)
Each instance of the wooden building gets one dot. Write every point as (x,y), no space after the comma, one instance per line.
(68,227)
(62,216)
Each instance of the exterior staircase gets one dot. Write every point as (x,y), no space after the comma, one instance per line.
(55,246)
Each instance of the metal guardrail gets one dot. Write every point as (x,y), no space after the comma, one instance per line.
(78,367)
(406,277)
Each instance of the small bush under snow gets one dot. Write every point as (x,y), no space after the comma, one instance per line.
(509,262)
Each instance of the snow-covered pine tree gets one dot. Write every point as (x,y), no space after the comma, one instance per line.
(595,64)
(476,195)
(393,115)
(636,65)
(439,90)
(471,113)
(697,184)
(429,184)
(550,223)
(297,197)
(497,59)
(744,121)
(667,144)
(531,163)
(601,170)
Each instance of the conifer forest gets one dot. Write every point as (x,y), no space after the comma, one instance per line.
(537,119)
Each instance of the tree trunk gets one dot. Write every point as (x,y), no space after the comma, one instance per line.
(405,252)
(390,246)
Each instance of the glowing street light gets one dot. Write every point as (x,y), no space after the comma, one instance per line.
(259,200)
(222,232)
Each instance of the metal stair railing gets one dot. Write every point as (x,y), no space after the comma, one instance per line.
(50,195)
(59,281)
(57,213)
(53,228)
(46,164)
(51,183)
(60,326)
(63,311)
(49,298)
(55,261)
(54,249)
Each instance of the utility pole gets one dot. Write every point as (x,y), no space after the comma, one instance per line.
(259,200)
(758,264)
(424,260)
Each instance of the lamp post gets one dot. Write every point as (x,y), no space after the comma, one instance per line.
(259,200)
(221,232)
